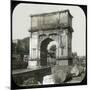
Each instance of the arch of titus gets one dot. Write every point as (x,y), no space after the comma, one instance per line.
(49,30)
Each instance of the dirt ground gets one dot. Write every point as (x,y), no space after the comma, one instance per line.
(76,79)
(54,69)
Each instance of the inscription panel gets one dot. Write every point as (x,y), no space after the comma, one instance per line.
(50,20)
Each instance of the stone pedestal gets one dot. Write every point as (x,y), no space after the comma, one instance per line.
(62,62)
(32,64)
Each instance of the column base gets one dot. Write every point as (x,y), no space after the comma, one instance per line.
(64,61)
(32,64)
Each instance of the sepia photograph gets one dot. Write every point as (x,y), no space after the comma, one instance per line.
(48,45)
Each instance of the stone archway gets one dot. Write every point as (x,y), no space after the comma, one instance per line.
(43,32)
(44,52)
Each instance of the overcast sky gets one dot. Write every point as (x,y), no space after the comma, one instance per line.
(21,22)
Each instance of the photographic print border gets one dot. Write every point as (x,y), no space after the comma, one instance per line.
(13,5)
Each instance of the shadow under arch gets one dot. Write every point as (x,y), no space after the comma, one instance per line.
(43,51)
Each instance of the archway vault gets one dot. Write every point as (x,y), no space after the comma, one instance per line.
(43,51)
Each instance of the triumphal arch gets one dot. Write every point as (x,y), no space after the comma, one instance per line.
(51,38)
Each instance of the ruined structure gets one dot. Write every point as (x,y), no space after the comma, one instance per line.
(47,30)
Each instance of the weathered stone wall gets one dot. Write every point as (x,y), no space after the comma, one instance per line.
(43,27)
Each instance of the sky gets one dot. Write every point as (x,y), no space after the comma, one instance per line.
(21,22)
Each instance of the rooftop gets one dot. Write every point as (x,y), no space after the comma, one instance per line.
(42,14)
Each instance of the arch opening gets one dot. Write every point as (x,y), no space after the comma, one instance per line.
(47,52)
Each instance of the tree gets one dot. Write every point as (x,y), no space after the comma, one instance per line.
(21,47)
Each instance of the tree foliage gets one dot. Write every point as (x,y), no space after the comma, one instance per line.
(21,47)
